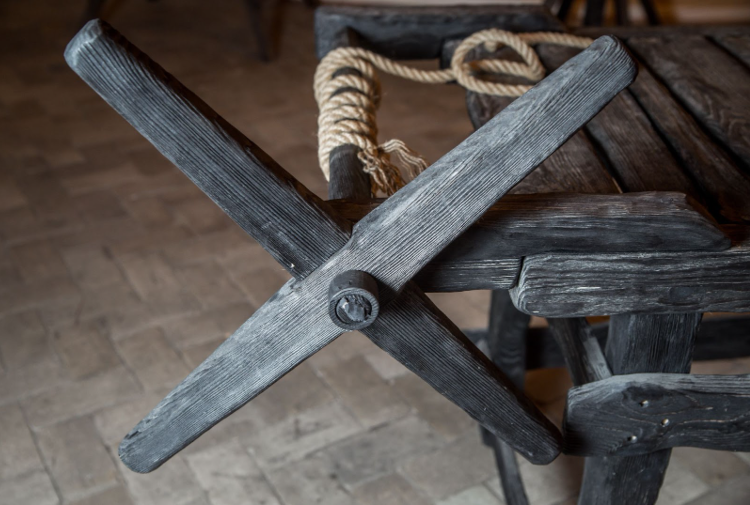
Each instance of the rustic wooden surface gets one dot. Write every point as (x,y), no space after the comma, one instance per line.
(639,343)
(522,225)
(738,45)
(661,411)
(593,79)
(709,82)
(568,285)
(419,32)
(583,356)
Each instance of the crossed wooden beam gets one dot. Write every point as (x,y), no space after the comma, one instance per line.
(344,276)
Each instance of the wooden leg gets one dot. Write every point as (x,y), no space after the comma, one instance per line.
(506,339)
(651,15)
(594,13)
(256,21)
(639,343)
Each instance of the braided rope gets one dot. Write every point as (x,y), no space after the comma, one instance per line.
(347,90)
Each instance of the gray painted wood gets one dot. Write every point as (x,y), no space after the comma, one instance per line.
(639,343)
(690,67)
(580,349)
(627,32)
(343,180)
(629,415)
(419,32)
(522,225)
(723,184)
(738,45)
(570,285)
(271,343)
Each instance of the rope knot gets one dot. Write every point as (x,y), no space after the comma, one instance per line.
(347,90)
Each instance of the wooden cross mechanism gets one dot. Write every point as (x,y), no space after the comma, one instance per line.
(344,276)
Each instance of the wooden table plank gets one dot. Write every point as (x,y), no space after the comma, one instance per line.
(724,185)
(710,83)
(628,140)
(738,45)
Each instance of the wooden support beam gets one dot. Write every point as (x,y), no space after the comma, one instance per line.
(506,346)
(523,225)
(580,349)
(738,45)
(639,343)
(570,285)
(419,32)
(628,415)
(726,337)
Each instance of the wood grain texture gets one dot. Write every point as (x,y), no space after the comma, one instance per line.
(724,185)
(568,285)
(627,139)
(522,225)
(415,332)
(270,344)
(738,45)
(660,411)
(419,32)
(580,349)
(662,31)
(573,168)
(506,343)
(639,343)
(689,67)
(235,173)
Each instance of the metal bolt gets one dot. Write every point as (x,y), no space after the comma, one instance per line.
(665,422)
(644,403)
(632,438)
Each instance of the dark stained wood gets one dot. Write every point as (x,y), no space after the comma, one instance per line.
(722,182)
(567,285)
(628,140)
(661,411)
(235,173)
(468,274)
(506,346)
(738,45)
(419,32)
(627,32)
(291,326)
(708,81)
(573,168)
(580,348)
(594,13)
(726,337)
(522,225)
(639,343)
(343,181)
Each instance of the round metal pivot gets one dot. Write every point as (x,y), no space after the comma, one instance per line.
(353,300)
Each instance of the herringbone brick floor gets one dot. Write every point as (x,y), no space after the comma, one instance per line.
(117,276)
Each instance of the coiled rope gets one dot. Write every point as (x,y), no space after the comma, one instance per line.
(348,101)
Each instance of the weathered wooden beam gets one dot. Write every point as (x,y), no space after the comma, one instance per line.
(522,225)
(689,67)
(673,31)
(506,346)
(270,343)
(419,32)
(726,337)
(639,343)
(572,285)
(722,182)
(629,415)
(580,349)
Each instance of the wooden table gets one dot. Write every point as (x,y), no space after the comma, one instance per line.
(641,216)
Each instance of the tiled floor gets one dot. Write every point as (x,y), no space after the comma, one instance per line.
(117,277)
